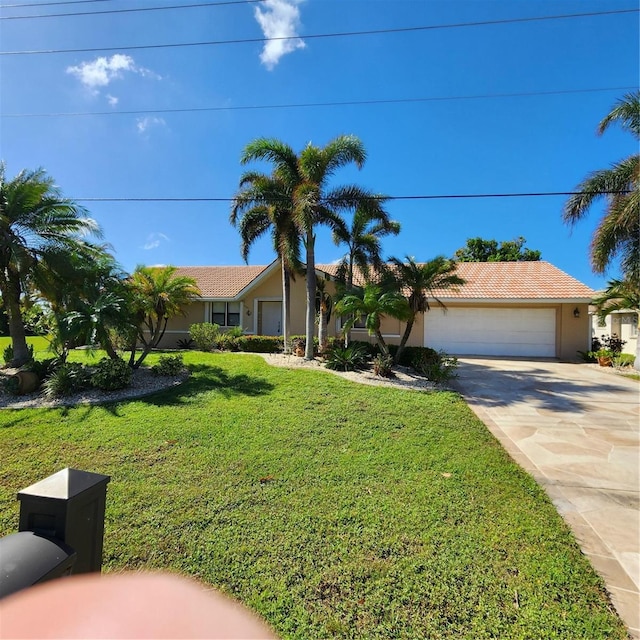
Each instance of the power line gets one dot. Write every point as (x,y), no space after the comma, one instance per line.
(47,4)
(137,10)
(448,196)
(316,104)
(483,23)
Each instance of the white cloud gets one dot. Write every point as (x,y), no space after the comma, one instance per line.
(102,71)
(144,124)
(154,240)
(279,19)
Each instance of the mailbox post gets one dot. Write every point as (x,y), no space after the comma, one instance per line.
(68,506)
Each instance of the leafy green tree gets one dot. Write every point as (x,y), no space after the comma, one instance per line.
(263,204)
(156,294)
(312,201)
(373,303)
(618,232)
(618,296)
(36,222)
(420,281)
(363,241)
(481,250)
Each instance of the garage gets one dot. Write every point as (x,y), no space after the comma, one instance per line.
(492,331)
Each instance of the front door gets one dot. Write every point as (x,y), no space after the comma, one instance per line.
(271,318)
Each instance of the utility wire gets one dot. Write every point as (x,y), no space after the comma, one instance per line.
(110,11)
(47,4)
(315,104)
(327,35)
(449,196)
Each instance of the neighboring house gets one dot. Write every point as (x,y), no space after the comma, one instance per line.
(623,323)
(505,309)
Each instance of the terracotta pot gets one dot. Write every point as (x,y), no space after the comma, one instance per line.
(605,361)
(299,352)
(28,381)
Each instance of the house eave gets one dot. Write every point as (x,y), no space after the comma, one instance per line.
(510,301)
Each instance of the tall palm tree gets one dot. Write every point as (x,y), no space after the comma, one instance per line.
(618,233)
(618,296)
(373,303)
(156,295)
(363,241)
(312,201)
(264,202)
(35,223)
(420,281)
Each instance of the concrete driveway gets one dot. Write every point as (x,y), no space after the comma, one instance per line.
(575,428)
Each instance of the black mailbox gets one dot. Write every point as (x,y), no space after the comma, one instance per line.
(27,559)
(68,506)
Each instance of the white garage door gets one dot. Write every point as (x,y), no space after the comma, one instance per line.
(492,332)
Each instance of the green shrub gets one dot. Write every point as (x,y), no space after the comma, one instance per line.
(234,332)
(168,366)
(205,335)
(383,366)
(68,378)
(228,342)
(370,348)
(260,344)
(12,385)
(110,375)
(7,353)
(186,343)
(439,371)
(353,357)
(624,360)
(411,354)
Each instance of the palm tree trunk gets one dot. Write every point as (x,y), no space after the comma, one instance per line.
(286,307)
(381,343)
(322,326)
(311,295)
(11,295)
(636,363)
(405,337)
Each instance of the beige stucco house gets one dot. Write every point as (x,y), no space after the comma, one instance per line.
(530,309)
(623,323)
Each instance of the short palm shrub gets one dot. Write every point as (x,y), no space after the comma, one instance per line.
(43,368)
(168,366)
(111,374)
(349,358)
(439,370)
(624,360)
(66,379)
(186,343)
(383,366)
(206,335)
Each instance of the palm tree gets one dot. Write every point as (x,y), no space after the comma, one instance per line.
(312,202)
(420,281)
(156,295)
(363,241)
(324,305)
(618,233)
(373,303)
(35,223)
(264,202)
(618,296)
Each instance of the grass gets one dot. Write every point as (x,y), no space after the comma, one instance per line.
(330,508)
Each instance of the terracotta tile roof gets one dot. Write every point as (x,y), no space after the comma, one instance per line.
(222,282)
(536,280)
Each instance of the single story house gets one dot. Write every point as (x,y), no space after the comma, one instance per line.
(623,323)
(530,309)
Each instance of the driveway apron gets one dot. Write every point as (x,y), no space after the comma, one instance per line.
(575,429)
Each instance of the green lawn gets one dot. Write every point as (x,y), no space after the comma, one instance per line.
(332,509)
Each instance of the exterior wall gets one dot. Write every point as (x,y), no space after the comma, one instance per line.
(572,333)
(624,325)
(178,327)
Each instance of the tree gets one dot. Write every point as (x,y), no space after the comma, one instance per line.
(265,204)
(618,296)
(36,222)
(324,305)
(312,202)
(420,281)
(481,250)
(373,303)
(363,242)
(156,295)
(618,232)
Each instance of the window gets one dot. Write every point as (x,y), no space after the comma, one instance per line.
(360,323)
(226,314)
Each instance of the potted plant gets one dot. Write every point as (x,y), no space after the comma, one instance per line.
(604,357)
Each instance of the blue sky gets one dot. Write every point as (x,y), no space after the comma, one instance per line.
(453,143)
